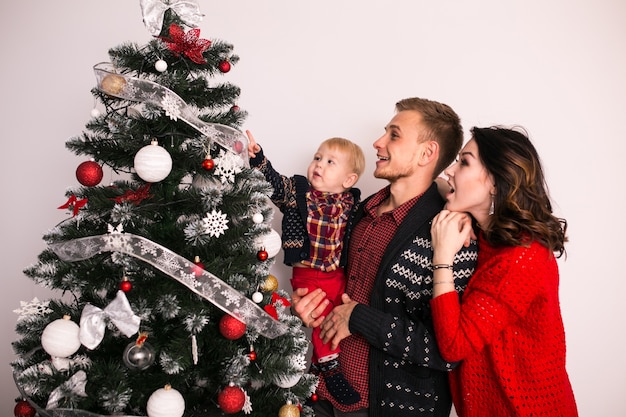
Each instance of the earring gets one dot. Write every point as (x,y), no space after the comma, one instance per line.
(492,206)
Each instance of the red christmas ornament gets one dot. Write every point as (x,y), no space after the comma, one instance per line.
(262,255)
(224,66)
(24,409)
(252,355)
(314,397)
(89,173)
(208,164)
(238,146)
(126,285)
(231,328)
(198,267)
(231,399)
(235,108)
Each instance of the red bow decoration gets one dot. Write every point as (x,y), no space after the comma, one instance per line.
(271,308)
(74,203)
(136,196)
(188,44)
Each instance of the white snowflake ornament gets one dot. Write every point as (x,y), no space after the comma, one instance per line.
(215,223)
(34,308)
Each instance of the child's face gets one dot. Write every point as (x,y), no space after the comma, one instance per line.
(330,171)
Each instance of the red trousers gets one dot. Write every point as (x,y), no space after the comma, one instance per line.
(334,285)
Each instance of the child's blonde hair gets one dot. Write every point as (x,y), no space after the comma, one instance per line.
(356,158)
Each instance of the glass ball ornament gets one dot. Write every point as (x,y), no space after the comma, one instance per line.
(153,163)
(138,356)
(232,328)
(257,297)
(61,338)
(270,284)
(113,84)
(224,66)
(289,410)
(89,173)
(160,65)
(271,242)
(257,218)
(165,402)
(95,113)
(288,381)
(231,399)
(24,409)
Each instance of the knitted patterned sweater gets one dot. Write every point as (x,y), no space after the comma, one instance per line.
(509,333)
(406,371)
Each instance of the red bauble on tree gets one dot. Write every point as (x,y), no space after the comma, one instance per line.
(231,399)
(224,66)
(197,267)
(126,285)
(89,173)
(262,255)
(208,164)
(231,328)
(24,409)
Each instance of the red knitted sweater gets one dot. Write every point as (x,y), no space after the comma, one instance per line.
(509,333)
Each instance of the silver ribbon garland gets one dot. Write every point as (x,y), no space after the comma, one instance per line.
(75,385)
(93,320)
(144,91)
(207,285)
(154,11)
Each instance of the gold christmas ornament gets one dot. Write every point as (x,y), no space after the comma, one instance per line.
(289,410)
(270,284)
(113,84)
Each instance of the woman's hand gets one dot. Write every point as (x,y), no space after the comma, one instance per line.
(309,306)
(450,231)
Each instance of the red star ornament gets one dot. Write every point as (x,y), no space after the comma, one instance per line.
(188,44)
(74,203)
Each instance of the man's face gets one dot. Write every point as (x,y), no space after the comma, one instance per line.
(398,149)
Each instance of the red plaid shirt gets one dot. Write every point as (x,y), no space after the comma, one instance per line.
(370,238)
(326,224)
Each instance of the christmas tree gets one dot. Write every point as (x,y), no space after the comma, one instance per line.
(167,306)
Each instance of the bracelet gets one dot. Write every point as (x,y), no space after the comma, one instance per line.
(442,266)
(443,282)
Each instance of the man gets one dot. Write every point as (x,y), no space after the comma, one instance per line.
(389,354)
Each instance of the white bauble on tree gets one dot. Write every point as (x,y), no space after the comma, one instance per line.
(60,338)
(271,242)
(288,381)
(165,402)
(153,163)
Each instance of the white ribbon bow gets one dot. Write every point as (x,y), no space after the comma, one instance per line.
(154,10)
(93,320)
(75,386)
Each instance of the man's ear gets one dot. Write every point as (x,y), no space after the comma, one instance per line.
(430,152)
(350,180)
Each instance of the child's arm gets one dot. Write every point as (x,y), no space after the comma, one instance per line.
(253,148)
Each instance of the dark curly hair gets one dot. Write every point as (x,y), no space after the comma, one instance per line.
(522,208)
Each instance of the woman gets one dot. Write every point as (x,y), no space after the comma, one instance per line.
(507,330)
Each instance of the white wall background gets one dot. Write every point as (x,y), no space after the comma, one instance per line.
(310,70)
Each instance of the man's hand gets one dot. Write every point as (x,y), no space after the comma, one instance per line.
(336,326)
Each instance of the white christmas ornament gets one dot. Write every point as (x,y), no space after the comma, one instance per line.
(288,381)
(165,402)
(153,163)
(160,65)
(271,242)
(60,338)
(257,218)
(95,112)
(257,297)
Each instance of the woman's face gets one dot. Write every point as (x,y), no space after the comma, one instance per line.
(471,184)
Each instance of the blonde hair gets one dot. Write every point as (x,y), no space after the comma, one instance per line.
(356,158)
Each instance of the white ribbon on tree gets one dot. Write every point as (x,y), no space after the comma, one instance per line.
(207,285)
(144,91)
(154,11)
(75,386)
(93,320)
